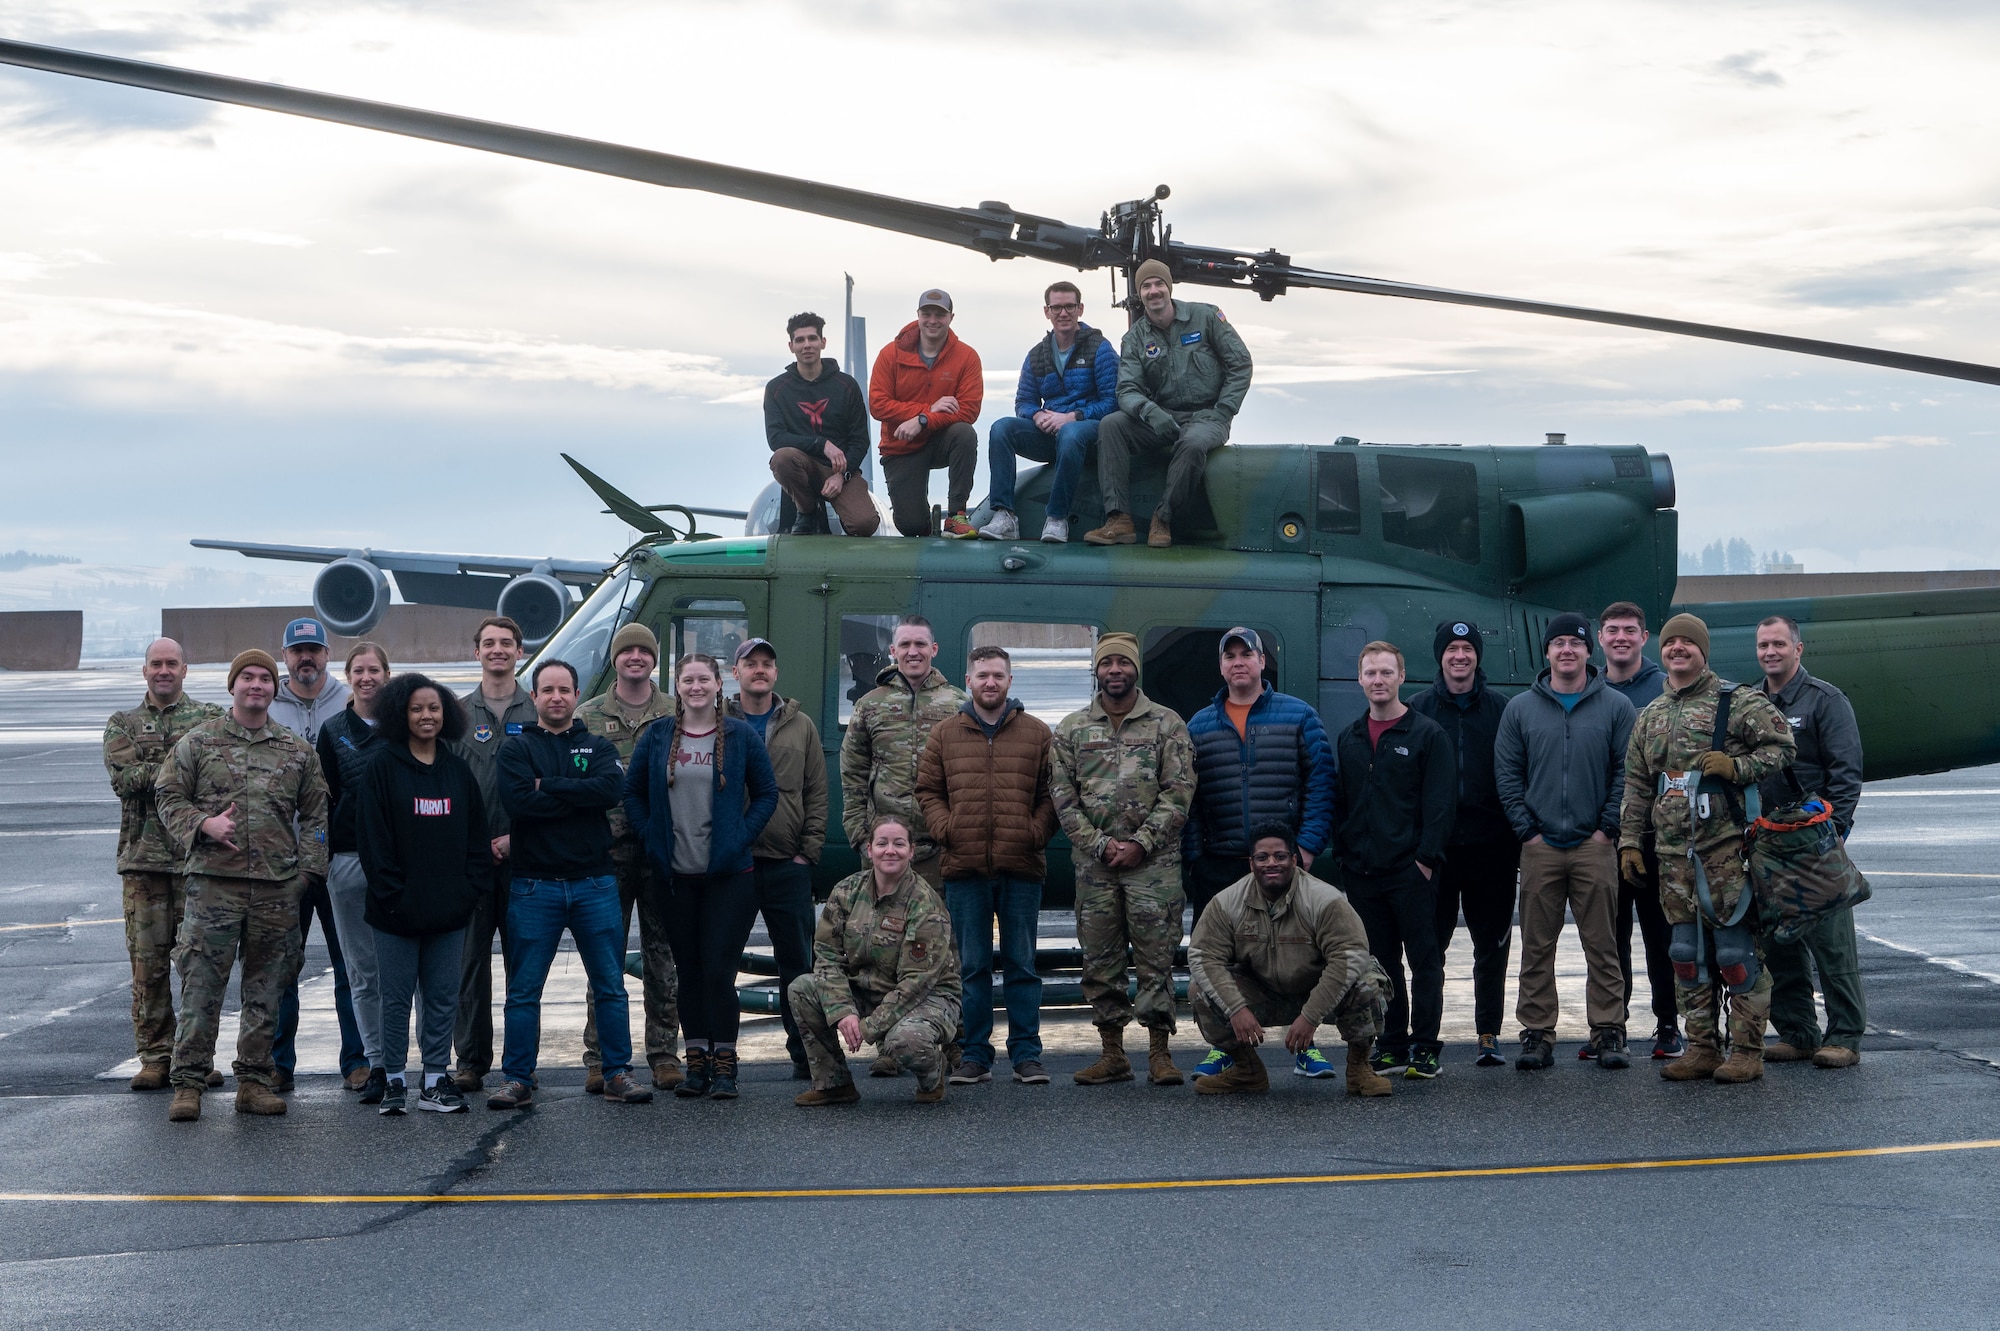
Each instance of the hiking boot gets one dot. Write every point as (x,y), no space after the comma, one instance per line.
(1312,1063)
(969,1073)
(667,1073)
(393,1101)
(442,1097)
(1743,1065)
(1160,1069)
(1536,1052)
(1668,1043)
(695,1084)
(467,1080)
(1424,1065)
(377,1085)
(1030,1072)
(214,1077)
(1004,526)
(1111,1065)
(1361,1078)
(847,1093)
(186,1107)
(1390,1062)
(722,1075)
(1611,1049)
(151,1076)
(934,1094)
(1055,531)
(1246,1077)
(1117,530)
(1697,1064)
(1835,1056)
(1784,1051)
(958,527)
(885,1065)
(1160,536)
(254,1097)
(593,1081)
(1214,1062)
(356,1079)
(283,1082)
(511,1095)
(622,1090)
(1489,1053)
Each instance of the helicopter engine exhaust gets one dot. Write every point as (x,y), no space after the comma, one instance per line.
(350,596)
(538,602)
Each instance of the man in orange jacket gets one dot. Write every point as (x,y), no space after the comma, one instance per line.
(926,389)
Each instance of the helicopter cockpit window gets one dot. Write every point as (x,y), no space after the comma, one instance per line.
(1338,512)
(585,640)
(864,654)
(1432,505)
(712,625)
(1051,663)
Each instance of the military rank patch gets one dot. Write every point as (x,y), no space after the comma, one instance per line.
(482,733)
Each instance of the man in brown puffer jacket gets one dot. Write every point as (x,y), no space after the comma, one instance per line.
(983,784)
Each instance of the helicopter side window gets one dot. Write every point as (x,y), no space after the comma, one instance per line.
(1338,512)
(711,625)
(585,641)
(1052,676)
(1432,505)
(1180,670)
(864,654)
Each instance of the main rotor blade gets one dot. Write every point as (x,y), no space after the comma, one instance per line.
(994,230)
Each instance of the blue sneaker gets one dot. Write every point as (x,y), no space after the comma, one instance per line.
(1489,1052)
(1217,1061)
(1312,1063)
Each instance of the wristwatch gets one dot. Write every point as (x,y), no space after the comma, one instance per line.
(923,421)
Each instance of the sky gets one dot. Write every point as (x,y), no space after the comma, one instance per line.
(227,323)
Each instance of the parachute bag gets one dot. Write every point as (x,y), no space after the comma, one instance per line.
(1799,868)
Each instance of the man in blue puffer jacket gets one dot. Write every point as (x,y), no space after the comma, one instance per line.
(1069,383)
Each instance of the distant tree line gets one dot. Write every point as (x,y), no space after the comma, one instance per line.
(1718,558)
(20,559)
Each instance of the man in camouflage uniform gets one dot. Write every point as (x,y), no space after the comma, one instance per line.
(1670,751)
(136,743)
(886,737)
(243,799)
(884,973)
(1122,776)
(621,715)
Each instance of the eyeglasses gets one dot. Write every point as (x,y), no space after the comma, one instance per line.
(1063,309)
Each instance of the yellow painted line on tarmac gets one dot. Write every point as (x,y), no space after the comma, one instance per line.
(59,924)
(1002,1189)
(1911,873)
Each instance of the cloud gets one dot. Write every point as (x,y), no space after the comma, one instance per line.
(1646,407)
(1272,375)
(20,266)
(1880,443)
(253,237)
(1747,67)
(1876,285)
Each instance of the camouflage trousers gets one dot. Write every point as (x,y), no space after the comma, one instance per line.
(1140,912)
(1722,864)
(225,916)
(1680,902)
(662,982)
(1358,1014)
(153,903)
(916,1042)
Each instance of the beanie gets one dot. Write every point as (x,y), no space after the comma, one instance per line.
(1151,268)
(1568,624)
(1686,626)
(635,635)
(255,656)
(1115,644)
(1457,630)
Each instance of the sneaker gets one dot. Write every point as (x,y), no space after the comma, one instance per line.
(1312,1063)
(1536,1052)
(1423,1065)
(1055,531)
(969,1073)
(1589,1049)
(1030,1072)
(1611,1049)
(511,1095)
(1668,1043)
(620,1089)
(392,1097)
(1215,1064)
(958,527)
(377,1087)
(1004,527)
(1489,1053)
(442,1098)
(1389,1062)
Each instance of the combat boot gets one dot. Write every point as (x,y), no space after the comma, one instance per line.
(1362,1079)
(151,1076)
(667,1072)
(847,1093)
(1247,1076)
(885,1065)
(1784,1051)
(935,1094)
(1112,1065)
(1697,1064)
(1835,1056)
(1117,530)
(1160,1069)
(1160,536)
(186,1107)
(254,1097)
(1743,1065)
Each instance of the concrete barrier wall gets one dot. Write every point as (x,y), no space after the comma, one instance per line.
(41,639)
(411,634)
(1784,586)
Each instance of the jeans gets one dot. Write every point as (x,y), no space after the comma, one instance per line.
(1067,448)
(538,910)
(428,963)
(708,922)
(785,899)
(347,889)
(1480,877)
(973,903)
(1399,911)
(284,1048)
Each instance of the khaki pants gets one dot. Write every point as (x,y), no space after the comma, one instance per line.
(802,475)
(1584,878)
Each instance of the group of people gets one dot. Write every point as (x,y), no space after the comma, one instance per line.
(1325,875)
(1173,386)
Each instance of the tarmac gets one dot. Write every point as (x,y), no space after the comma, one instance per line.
(1836,1198)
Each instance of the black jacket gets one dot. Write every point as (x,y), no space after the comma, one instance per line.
(808,416)
(559,830)
(1470,728)
(1396,801)
(346,744)
(421,832)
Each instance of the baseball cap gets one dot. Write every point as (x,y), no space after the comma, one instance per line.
(305,633)
(1248,637)
(936,296)
(750,645)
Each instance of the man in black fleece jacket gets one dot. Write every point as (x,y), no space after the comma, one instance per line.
(557,779)
(816,422)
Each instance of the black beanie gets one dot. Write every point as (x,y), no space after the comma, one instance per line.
(1569,624)
(1451,631)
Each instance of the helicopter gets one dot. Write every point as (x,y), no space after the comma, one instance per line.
(1321,548)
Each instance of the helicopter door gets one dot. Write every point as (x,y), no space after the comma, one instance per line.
(861,617)
(715,621)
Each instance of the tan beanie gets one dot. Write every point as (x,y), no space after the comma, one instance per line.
(635,635)
(1151,268)
(1115,644)
(1686,626)
(254,656)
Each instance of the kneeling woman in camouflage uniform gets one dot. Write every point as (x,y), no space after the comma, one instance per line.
(884,973)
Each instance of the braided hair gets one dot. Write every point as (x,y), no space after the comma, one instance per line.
(674,749)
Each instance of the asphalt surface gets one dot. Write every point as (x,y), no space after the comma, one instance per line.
(1908,1239)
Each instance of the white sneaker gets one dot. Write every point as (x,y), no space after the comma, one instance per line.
(1055,531)
(1004,527)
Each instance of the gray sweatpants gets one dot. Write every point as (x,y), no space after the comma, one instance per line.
(426,962)
(347,890)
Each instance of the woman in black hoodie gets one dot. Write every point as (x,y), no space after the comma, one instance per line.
(425,847)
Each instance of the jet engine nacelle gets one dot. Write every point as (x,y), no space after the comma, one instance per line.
(538,602)
(350,596)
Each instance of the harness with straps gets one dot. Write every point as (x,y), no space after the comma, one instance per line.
(1693,784)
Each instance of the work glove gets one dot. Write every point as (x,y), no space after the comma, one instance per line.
(1632,866)
(1718,764)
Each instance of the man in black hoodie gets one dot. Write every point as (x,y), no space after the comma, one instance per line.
(816,422)
(1484,856)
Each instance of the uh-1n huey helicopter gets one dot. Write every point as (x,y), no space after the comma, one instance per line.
(1321,548)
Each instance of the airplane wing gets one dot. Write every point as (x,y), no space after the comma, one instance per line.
(576,572)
